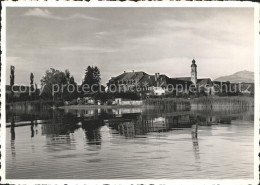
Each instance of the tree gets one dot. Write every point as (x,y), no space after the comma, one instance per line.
(55,83)
(31,82)
(70,90)
(37,91)
(67,75)
(92,79)
(12,68)
(96,75)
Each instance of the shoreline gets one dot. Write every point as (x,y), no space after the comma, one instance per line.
(103,106)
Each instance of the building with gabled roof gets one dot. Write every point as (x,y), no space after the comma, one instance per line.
(131,80)
(128,77)
(158,84)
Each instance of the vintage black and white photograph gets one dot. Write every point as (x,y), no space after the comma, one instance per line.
(129,93)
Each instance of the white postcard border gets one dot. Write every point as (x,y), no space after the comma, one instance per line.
(132,4)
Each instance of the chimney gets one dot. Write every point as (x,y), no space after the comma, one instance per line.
(133,70)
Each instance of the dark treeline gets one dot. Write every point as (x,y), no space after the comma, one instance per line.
(60,86)
(55,85)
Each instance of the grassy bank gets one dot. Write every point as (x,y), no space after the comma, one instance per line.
(202,103)
(176,104)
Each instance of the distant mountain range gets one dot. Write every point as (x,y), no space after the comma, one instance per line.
(241,76)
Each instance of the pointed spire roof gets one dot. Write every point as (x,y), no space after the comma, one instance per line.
(193,63)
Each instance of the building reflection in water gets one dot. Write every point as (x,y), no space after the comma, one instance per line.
(132,123)
(129,123)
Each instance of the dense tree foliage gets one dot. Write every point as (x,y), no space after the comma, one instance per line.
(91,81)
(58,85)
(32,86)
(12,79)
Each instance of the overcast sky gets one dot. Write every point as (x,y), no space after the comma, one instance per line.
(163,40)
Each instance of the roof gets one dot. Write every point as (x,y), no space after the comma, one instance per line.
(141,77)
(144,78)
(149,80)
(129,76)
(174,81)
(183,78)
(204,81)
(201,81)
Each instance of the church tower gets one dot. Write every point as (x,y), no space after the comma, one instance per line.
(194,72)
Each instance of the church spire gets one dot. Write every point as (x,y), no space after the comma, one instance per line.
(194,72)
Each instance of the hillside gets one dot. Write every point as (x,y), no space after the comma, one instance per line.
(241,76)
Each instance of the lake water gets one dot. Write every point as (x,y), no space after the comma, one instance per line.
(130,143)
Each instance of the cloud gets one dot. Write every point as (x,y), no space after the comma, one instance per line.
(37,12)
(102,33)
(45,13)
(81,16)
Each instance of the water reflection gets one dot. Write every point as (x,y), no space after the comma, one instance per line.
(12,128)
(92,132)
(146,130)
(126,122)
(12,131)
(194,134)
(32,128)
